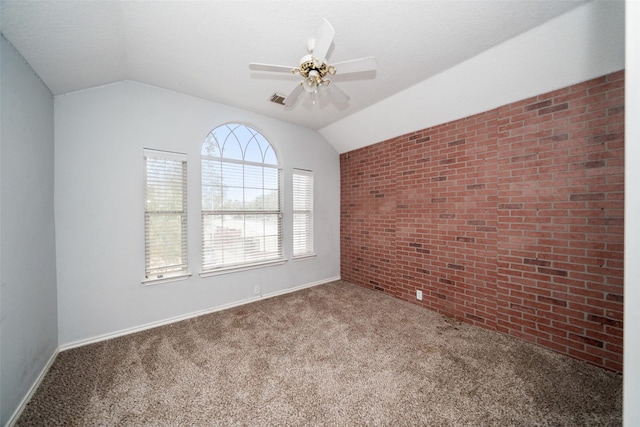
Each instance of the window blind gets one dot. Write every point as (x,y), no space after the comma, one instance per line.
(241,207)
(165,222)
(302,213)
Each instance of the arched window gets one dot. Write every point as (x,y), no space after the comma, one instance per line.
(241,209)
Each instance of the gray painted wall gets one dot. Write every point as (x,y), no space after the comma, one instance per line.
(28,308)
(100,135)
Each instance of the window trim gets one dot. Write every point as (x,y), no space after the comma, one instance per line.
(242,267)
(230,268)
(178,275)
(310,211)
(166,279)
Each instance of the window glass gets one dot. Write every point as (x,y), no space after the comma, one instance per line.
(165,224)
(302,213)
(241,209)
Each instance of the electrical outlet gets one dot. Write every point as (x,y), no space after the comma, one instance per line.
(256,289)
(419,295)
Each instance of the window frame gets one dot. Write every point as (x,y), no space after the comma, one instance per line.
(208,268)
(182,273)
(308,211)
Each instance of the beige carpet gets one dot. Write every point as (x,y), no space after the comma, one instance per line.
(336,354)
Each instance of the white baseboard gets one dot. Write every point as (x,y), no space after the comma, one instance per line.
(151,325)
(298,288)
(16,414)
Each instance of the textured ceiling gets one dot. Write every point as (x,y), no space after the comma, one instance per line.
(203,48)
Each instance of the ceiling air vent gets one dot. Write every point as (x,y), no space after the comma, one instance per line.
(277,98)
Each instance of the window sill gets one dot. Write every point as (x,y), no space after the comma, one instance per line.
(233,269)
(303,257)
(166,279)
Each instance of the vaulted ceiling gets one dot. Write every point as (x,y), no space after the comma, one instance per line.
(203,48)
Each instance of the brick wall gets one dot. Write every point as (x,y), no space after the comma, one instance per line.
(511,219)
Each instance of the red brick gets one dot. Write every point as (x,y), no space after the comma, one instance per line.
(511,219)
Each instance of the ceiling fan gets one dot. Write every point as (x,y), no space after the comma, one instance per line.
(314,69)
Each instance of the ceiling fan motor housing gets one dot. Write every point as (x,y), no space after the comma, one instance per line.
(310,63)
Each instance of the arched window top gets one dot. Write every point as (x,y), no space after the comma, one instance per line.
(235,141)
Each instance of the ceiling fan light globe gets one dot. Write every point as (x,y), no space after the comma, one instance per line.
(310,85)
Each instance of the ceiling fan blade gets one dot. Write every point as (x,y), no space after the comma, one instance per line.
(323,40)
(268,67)
(356,65)
(338,94)
(295,93)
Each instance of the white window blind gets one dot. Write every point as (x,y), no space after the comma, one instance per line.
(241,213)
(165,217)
(302,213)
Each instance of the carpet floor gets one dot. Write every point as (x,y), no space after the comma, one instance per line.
(335,354)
